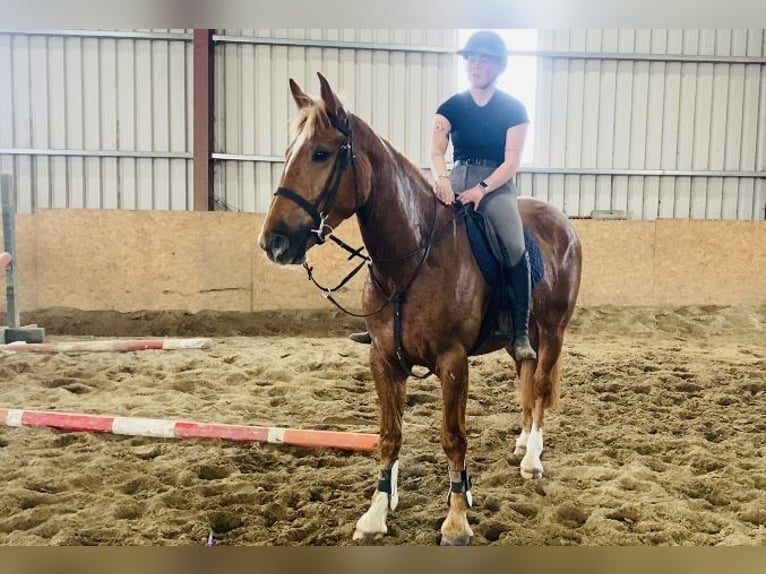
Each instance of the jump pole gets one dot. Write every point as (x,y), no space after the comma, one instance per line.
(162,428)
(109,346)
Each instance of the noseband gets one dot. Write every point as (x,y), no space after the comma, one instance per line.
(319,211)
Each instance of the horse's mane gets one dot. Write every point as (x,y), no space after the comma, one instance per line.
(313,117)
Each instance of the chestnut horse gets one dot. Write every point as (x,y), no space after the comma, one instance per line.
(424,293)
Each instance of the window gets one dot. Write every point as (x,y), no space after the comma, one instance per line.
(519,78)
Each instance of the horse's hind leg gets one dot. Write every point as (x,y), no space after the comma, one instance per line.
(525,374)
(453,373)
(525,371)
(539,391)
(390,383)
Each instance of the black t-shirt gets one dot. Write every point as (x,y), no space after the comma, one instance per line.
(479,132)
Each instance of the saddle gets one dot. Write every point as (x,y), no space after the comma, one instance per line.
(487,251)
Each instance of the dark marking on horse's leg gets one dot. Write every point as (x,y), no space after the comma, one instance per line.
(390,383)
(453,373)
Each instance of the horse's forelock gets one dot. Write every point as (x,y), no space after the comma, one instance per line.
(309,119)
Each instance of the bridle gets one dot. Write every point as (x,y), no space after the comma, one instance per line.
(319,211)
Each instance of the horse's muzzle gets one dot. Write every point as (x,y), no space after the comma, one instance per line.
(281,250)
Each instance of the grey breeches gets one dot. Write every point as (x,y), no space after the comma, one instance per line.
(500,207)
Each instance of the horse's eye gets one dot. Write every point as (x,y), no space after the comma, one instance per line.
(320,155)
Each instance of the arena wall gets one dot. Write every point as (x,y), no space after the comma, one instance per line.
(157,260)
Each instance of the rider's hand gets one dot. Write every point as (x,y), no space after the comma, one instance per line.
(443,191)
(473,195)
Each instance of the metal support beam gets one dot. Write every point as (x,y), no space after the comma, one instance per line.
(9,240)
(552,54)
(645,172)
(96,153)
(101,34)
(334,44)
(534,170)
(204,108)
(639,57)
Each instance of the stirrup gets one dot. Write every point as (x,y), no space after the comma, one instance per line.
(363,337)
(522,349)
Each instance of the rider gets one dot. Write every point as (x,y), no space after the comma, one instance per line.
(488,128)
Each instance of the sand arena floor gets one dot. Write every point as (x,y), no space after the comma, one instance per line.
(658,438)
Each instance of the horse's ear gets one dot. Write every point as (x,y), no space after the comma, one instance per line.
(332,103)
(301,99)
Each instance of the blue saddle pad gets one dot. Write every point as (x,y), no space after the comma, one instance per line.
(491,269)
(489,265)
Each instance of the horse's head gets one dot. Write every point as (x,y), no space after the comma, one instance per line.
(319,186)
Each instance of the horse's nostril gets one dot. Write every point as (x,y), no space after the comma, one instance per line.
(276,244)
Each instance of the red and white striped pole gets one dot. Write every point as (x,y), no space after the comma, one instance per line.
(162,428)
(111,345)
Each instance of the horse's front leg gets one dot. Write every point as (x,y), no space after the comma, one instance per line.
(390,383)
(453,373)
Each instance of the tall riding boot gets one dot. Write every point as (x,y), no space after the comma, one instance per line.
(519,281)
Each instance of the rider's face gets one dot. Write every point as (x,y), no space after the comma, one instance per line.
(481,70)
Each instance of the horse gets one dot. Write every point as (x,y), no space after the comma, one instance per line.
(424,295)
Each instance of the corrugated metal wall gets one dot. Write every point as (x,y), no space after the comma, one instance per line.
(393,79)
(703,123)
(97,119)
(659,123)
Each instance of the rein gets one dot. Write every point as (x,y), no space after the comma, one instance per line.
(319,213)
(397,298)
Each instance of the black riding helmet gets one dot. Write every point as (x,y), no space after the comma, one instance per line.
(487,43)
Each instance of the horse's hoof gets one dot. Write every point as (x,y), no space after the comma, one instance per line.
(531,473)
(455,541)
(520,451)
(359,535)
